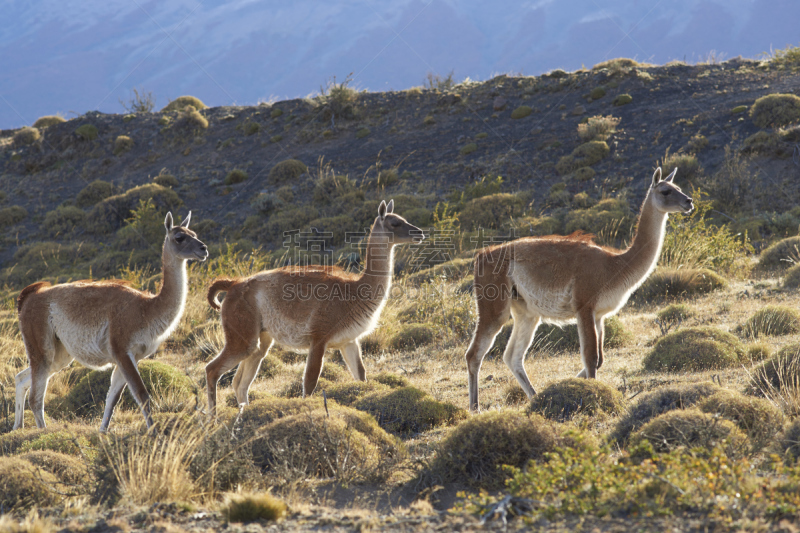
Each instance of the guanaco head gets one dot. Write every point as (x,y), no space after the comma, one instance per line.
(183,242)
(667,196)
(395,225)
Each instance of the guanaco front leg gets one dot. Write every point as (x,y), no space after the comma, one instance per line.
(518,345)
(587,332)
(313,368)
(351,354)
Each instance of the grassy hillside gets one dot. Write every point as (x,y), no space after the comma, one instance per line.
(692,423)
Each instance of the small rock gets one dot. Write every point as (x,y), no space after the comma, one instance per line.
(499,103)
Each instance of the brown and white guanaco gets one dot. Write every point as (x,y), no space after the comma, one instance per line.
(312,307)
(102,323)
(564,279)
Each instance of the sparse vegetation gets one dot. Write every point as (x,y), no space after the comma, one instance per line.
(584,155)
(26,136)
(87,132)
(10,216)
(286,171)
(48,120)
(597,128)
(235,176)
(122,144)
(412,336)
(182,102)
(94,193)
(140,101)
(771,320)
(775,110)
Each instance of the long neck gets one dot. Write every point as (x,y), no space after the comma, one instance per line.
(379,261)
(642,255)
(172,296)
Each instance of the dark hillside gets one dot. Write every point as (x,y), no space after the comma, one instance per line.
(419,146)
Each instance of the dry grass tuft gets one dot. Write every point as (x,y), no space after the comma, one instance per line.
(760,419)
(408,410)
(564,399)
(669,284)
(598,128)
(181,102)
(248,508)
(771,320)
(775,110)
(690,428)
(695,349)
(783,254)
(23,485)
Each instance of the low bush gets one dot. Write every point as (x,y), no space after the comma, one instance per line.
(762,142)
(513,395)
(654,403)
(468,148)
(564,399)
(695,349)
(408,410)
(122,144)
(412,336)
(597,128)
(23,485)
(71,471)
(166,180)
(389,379)
(87,132)
(778,255)
(687,165)
(362,132)
(490,211)
(191,119)
(348,393)
(791,280)
(622,99)
(475,452)
(666,284)
(10,216)
(788,442)
(450,270)
(758,418)
(690,428)
(248,508)
(112,212)
(87,398)
(63,220)
(235,176)
(776,110)
(602,215)
(566,337)
(584,155)
(93,193)
(48,120)
(71,439)
(781,371)
(521,112)
(771,320)
(618,63)
(675,313)
(286,171)
(182,102)
(26,135)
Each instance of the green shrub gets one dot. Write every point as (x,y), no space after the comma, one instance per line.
(602,215)
(87,132)
(739,109)
(757,417)
(276,112)
(583,174)
(190,118)
(667,283)
(362,132)
(562,400)
(248,508)
(566,337)
(23,485)
(182,102)
(777,373)
(618,63)
(10,216)
(654,403)
(468,148)
(597,93)
(412,336)
(585,155)
(475,451)
(791,280)
(695,349)
(623,99)
(251,128)
(762,142)
(775,110)
(47,121)
(778,255)
(235,176)
(112,212)
(348,393)
(521,112)
(758,351)
(408,410)
(93,193)
(285,171)
(771,320)
(450,271)
(394,381)
(166,180)
(690,428)
(122,144)
(675,313)
(63,220)
(71,471)
(87,398)
(687,165)
(597,128)
(513,394)
(490,211)
(26,135)
(276,138)
(788,443)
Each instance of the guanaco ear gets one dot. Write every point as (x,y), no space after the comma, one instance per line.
(672,175)
(382,210)
(390,207)
(168,221)
(656,177)
(186,221)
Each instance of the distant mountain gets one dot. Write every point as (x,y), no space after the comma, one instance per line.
(78,55)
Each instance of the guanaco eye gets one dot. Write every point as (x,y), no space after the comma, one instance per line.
(666,193)
(395,223)
(180,238)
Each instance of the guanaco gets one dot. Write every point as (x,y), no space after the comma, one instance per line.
(309,307)
(561,280)
(102,323)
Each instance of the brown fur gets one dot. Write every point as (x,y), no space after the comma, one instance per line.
(101,323)
(275,306)
(219,285)
(561,279)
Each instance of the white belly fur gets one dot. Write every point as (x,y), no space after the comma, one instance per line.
(553,305)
